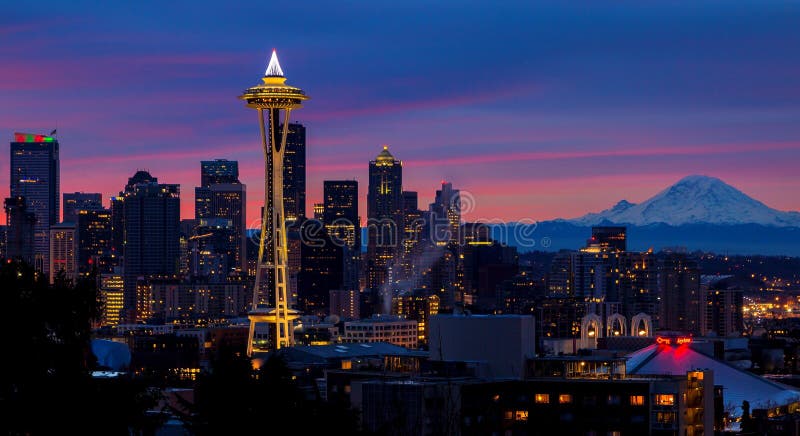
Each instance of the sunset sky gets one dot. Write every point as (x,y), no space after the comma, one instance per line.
(538,109)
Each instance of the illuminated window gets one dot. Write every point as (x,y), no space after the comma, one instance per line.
(565,399)
(508,414)
(637,400)
(665,417)
(521,415)
(542,399)
(665,400)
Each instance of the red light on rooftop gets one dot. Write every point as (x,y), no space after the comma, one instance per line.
(30,137)
(673,340)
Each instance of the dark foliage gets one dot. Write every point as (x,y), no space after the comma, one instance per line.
(236,399)
(46,385)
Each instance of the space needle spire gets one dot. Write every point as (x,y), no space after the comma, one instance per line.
(274,102)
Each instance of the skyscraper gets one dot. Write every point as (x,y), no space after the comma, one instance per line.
(112,297)
(118,213)
(609,238)
(384,216)
(222,196)
(319,211)
(344,304)
(679,290)
(3,235)
(321,269)
(413,226)
(294,172)
(35,175)
(94,240)
(152,233)
(213,172)
(77,201)
(63,251)
(342,223)
(273,98)
(20,226)
(445,215)
(340,211)
(218,171)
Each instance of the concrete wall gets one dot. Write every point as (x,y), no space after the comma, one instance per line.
(502,341)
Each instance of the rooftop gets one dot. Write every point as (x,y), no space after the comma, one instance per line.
(738,385)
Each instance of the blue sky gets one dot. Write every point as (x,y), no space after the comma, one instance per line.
(538,109)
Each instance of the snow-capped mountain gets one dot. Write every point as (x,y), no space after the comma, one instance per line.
(692,200)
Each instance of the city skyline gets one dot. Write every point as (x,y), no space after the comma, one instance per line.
(540,112)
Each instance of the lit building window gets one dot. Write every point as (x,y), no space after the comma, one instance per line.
(637,400)
(542,398)
(565,399)
(665,400)
(665,417)
(521,415)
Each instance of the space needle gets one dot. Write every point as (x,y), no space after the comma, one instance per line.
(274,102)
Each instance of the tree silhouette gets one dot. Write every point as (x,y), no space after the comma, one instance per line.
(236,399)
(46,385)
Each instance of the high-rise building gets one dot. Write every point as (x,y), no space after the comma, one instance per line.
(221,195)
(609,238)
(679,290)
(413,226)
(112,298)
(321,269)
(418,305)
(384,216)
(20,227)
(274,99)
(637,284)
(294,172)
(152,234)
(94,240)
(117,228)
(485,267)
(118,213)
(63,251)
(227,201)
(3,235)
(187,231)
(319,211)
(344,303)
(209,249)
(35,175)
(722,311)
(340,211)
(445,215)
(77,201)
(343,225)
(218,171)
